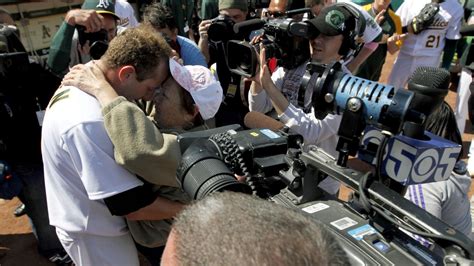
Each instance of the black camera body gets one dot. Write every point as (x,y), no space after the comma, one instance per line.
(284,39)
(221,29)
(98,41)
(378,225)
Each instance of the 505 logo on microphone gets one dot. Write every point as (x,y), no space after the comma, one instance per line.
(412,161)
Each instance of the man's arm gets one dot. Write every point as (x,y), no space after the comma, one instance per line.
(203,40)
(58,58)
(138,144)
(61,44)
(140,203)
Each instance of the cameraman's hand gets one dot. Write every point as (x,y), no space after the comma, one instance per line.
(203,28)
(90,19)
(84,49)
(263,75)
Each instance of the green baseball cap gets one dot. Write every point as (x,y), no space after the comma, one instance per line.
(233,4)
(101,7)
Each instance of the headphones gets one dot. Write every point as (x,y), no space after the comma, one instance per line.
(351,42)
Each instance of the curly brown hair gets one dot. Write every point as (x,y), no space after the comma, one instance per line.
(139,47)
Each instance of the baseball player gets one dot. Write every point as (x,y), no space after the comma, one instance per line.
(425,48)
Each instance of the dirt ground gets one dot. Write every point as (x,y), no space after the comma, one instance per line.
(18,245)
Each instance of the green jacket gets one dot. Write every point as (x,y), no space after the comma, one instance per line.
(141,148)
(63,52)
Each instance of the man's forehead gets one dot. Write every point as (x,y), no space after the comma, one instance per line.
(231,12)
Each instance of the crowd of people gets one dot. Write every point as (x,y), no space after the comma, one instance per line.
(109,150)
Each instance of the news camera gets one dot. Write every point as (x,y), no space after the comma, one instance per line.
(98,41)
(377,225)
(284,39)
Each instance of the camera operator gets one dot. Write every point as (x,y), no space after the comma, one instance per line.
(230,228)
(280,91)
(66,50)
(234,108)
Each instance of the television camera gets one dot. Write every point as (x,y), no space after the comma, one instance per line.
(283,38)
(377,225)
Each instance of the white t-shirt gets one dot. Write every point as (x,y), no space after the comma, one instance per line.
(125,11)
(79,166)
(431,41)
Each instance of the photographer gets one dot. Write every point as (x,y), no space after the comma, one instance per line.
(234,108)
(231,228)
(66,51)
(280,91)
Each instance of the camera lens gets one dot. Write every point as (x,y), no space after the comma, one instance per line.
(201,172)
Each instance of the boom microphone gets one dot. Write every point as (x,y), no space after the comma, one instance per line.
(258,120)
(430,85)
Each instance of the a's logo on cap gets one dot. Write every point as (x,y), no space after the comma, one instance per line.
(335,18)
(103,4)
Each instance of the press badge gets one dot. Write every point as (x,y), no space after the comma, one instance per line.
(231,90)
(186,27)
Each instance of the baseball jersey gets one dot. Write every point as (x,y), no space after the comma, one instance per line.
(79,166)
(430,42)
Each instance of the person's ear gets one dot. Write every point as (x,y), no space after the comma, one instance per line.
(126,72)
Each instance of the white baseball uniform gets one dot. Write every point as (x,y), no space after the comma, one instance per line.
(425,48)
(80,171)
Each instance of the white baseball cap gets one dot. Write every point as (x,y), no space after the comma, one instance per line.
(201,84)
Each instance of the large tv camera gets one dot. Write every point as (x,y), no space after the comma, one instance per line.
(98,41)
(378,224)
(284,39)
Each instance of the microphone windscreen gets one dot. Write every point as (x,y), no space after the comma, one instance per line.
(430,85)
(258,120)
